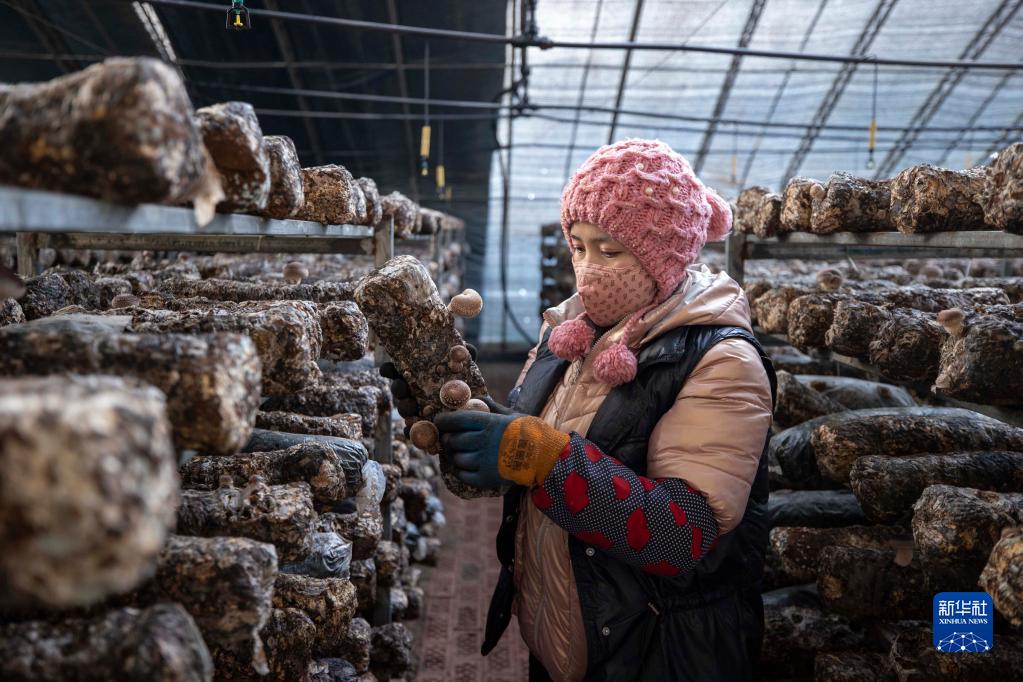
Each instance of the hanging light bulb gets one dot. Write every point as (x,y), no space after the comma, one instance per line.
(238,16)
(424,150)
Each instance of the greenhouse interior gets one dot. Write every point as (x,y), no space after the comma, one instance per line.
(507,341)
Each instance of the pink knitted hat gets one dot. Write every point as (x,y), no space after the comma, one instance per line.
(647,197)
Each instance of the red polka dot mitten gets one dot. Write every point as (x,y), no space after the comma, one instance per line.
(662,527)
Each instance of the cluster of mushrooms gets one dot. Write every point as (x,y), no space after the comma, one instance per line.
(454,394)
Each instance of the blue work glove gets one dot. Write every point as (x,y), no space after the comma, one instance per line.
(493,450)
(473,442)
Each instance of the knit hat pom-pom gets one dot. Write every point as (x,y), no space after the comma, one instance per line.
(615,366)
(720,217)
(570,340)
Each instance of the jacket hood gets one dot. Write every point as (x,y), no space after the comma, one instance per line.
(701,298)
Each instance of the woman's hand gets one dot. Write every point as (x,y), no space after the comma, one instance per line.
(492,450)
(473,441)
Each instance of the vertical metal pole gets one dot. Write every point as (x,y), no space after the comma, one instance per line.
(435,256)
(28,254)
(383,251)
(735,256)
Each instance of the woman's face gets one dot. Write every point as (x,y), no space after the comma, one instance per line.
(592,245)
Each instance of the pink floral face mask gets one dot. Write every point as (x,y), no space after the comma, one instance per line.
(609,294)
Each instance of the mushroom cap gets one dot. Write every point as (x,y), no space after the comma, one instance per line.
(124,301)
(424,434)
(295,272)
(476,405)
(469,303)
(829,279)
(11,285)
(951,315)
(931,272)
(458,354)
(297,267)
(225,481)
(455,393)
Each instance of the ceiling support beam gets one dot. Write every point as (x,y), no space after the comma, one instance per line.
(984,36)
(968,126)
(331,81)
(582,94)
(755,10)
(1007,137)
(284,45)
(399,62)
(778,94)
(834,93)
(626,63)
(51,39)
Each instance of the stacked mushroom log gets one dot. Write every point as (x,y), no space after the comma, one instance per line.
(963,342)
(876,506)
(277,555)
(919,199)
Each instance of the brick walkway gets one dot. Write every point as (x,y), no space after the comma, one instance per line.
(449,633)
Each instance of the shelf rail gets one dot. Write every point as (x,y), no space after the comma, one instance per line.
(741,247)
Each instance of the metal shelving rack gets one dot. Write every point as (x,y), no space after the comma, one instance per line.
(741,247)
(42,219)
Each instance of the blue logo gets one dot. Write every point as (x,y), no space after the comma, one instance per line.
(963,621)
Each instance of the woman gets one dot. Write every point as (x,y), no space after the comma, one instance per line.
(633,537)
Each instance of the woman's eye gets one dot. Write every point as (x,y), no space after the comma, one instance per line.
(579,249)
(610,254)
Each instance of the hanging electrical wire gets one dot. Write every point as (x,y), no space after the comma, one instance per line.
(872,132)
(525,107)
(544,43)
(735,156)
(424,133)
(441,180)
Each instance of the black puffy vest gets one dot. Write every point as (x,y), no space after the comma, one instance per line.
(705,625)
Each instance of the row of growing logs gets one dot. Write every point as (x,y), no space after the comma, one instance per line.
(272,568)
(920,199)
(967,342)
(876,506)
(124,130)
(200,465)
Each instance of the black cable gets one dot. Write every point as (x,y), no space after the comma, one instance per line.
(541,106)
(546,43)
(457,66)
(505,166)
